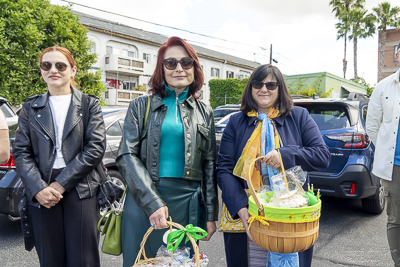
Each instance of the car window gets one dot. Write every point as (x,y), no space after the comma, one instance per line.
(218,113)
(115,129)
(122,121)
(227,111)
(364,112)
(329,117)
(8,112)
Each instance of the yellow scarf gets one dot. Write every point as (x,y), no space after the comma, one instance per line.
(252,150)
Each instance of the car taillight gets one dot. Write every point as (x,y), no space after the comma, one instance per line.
(353,189)
(10,163)
(351,140)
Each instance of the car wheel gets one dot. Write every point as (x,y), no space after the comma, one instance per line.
(376,203)
(114,174)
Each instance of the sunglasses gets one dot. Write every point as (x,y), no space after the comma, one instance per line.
(46,66)
(171,63)
(269,85)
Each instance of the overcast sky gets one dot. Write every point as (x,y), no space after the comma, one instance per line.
(302,32)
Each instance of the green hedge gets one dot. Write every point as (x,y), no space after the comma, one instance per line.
(226,91)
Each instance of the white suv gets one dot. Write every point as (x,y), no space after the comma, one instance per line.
(11,116)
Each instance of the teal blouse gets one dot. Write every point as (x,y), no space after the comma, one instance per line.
(172,144)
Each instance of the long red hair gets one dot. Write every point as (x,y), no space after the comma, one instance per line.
(157,79)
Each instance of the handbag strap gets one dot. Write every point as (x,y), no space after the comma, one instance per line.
(147,111)
(117,211)
(85,120)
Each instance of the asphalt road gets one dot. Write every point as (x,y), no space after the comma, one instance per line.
(348,237)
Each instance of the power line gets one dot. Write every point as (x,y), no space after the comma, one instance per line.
(161,25)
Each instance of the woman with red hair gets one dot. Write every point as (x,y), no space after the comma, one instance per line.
(56,153)
(168,159)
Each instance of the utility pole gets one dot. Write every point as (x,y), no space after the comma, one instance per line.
(270,55)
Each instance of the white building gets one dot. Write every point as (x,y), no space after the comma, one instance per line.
(127,57)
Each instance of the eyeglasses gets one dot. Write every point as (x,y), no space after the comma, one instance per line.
(46,66)
(171,63)
(270,85)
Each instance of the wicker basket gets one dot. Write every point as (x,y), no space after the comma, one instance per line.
(282,230)
(142,251)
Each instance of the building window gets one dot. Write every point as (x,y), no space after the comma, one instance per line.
(107,60)
(147,57)
(109,50)
(131,54)
(240,76)
(214,72)
(230,74)
(129,86)
(93,49)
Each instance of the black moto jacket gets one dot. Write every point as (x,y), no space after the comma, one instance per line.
(35,146)
(139,153)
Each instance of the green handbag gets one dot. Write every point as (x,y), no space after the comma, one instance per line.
(112,229)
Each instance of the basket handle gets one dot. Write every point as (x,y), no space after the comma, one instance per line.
(250,184)
(170,223)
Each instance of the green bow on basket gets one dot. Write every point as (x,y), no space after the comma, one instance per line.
(175,238)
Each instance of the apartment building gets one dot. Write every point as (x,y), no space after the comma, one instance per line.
(127,57)
(390,63)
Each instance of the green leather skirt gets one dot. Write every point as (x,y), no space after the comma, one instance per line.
(186,205)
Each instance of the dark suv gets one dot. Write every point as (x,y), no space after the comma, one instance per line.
(342,125)
(222,111)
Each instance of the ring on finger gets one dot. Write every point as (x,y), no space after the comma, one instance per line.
(153,224)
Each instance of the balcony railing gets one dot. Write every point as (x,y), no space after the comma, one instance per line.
(124,65)
(120,97)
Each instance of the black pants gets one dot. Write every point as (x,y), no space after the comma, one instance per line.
(237,256)
(66,234)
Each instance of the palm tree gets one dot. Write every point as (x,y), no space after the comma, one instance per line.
(386,17)
(362,26)
(341,9)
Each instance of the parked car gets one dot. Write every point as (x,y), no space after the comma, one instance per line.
(220,127)
(11,116)
(11,187)
(222,111)
(342,125)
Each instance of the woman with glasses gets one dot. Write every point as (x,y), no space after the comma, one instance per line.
(268,107)
(168,159)
(56,152)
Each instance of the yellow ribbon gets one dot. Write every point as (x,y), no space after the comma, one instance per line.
(261,219)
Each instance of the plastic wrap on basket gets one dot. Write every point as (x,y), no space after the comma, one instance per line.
(282,230)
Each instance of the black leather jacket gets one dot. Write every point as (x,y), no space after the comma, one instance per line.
(138,155)
(34,146)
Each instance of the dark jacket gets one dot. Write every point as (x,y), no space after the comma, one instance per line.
(302,146)
(35,144)
(138,155)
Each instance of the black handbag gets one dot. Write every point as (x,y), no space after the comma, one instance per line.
(110,189)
